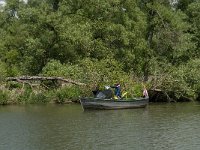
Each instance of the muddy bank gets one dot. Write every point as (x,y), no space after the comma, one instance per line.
(162,96)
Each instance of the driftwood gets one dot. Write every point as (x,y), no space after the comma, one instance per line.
(24,79)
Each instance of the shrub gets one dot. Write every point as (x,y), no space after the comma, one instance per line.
(61,95)
(3,71)
(55,68)
(3,97)
(36,98)
(67,93)
(23,98)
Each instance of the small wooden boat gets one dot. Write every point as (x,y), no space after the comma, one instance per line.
(99,103)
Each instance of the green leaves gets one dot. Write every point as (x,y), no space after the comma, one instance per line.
(3,70)
(193,13)
(101,41)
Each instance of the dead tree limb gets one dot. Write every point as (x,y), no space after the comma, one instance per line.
(40,78)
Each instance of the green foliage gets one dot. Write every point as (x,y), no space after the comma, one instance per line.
(193,13)
(23,97)
(102,43)
(3,71)
(182,80)
(183,4)
(60,97)
(38,98)
(54,68)
(4,97)
(12,85)
(105,71)
(192,77)
(89,70)
(28,96)
(68,93)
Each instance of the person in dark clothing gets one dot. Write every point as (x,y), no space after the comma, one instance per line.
(96,91)
(106,94)
(117,90)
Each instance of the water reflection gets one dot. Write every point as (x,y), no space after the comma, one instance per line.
(67,127)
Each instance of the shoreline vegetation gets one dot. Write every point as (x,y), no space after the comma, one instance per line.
(131,42)
(58,90)
(37,89)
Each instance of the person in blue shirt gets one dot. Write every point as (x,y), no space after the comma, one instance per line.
(117,90)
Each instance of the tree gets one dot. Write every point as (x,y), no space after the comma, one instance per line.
(183,4)
(166,35)
(193,13)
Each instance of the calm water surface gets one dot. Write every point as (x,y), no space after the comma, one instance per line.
(67,127)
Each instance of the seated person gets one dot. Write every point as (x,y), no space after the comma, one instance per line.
(96,91)
(105,94)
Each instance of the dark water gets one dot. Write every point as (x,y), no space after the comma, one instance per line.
(67,127)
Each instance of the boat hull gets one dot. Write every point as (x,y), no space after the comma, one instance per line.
(96,103)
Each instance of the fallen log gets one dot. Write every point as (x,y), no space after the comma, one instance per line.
(40,78)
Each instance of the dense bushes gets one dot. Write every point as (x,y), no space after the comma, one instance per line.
(180,82)
(91,72)
(3,71)
(4,97)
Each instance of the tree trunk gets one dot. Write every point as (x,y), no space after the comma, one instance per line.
(149,38)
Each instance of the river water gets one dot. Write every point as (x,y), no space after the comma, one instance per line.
(173,126)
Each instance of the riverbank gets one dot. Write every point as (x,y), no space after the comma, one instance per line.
(39,89)
(66,95)
(30,96)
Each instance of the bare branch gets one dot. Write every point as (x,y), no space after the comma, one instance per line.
(39,78)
